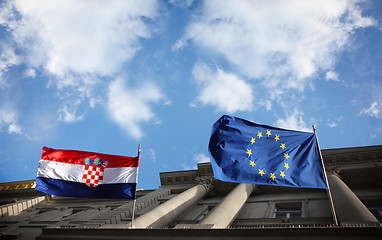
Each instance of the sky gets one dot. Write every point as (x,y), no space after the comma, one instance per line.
(105,76)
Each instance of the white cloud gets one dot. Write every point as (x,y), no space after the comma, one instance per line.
(193,105)
(68,114)
(76,43)
(187,167)
(331,75)
(8,58)
(129,107)
(284,43)
(153,155)
(223,90)
(201,158)
(80,36)
(30,73)
(198,158)
(267,104)
(293,121)
(14,128)
(8,119)
(334,123)
(182,3)
(93,101)
(179,44)
(372,111)
(167,102)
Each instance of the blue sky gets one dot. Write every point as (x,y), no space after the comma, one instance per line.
(105,76)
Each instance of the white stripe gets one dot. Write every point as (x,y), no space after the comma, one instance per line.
(74,173)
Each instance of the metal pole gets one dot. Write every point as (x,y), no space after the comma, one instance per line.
(136,180)
(326,178)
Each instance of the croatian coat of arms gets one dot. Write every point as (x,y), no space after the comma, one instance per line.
(93,172)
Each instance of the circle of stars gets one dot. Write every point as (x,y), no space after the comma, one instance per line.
(272,175)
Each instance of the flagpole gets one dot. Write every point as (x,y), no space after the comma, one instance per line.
(135,195)
(326,178)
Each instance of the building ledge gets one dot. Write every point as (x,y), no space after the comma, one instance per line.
(373,232)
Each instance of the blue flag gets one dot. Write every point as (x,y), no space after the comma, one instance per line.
(246,152)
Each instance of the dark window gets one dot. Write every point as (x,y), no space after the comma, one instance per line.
(206,209)
(376,211)
(375,207)
(288,210)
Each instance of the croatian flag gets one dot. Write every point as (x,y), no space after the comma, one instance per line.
(71,173)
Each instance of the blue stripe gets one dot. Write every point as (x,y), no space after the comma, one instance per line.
(75,189)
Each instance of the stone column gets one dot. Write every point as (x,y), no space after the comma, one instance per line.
(165,213)
(227,210)
(348,206)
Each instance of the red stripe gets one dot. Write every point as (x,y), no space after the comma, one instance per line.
(78,157)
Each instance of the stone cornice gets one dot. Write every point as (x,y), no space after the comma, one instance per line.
(352,157)
(29,184)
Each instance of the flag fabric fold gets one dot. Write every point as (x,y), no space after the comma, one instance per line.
(246,152)
(72,173)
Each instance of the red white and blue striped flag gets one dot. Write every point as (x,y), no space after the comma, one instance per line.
(72,173)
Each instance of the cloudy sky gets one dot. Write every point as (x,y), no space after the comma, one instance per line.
(105,76)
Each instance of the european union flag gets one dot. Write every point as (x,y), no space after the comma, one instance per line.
(245,152)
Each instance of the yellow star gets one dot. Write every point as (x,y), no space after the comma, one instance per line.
(283,146)
(286,166)
(261,172)
(273,176)
(252,163)
(249,152)
(259,134)
(277,137)
(286,155)
(268,133)
(253,140)
(282,174)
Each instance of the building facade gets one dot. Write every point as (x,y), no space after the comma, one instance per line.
(193,205)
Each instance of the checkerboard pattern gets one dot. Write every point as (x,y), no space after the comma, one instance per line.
(93,175)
